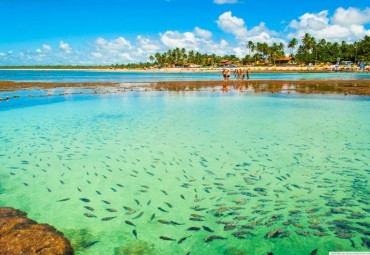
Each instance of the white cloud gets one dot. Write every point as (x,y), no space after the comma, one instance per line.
(65,47)
(46,47)
(190,41)
(225,1)
(203,33)
(236,26)
(344,25)
(38,50)
(113,51)
(175,39)
(115,45)
(351,16)
(2,54)
(233,25)
(147,46)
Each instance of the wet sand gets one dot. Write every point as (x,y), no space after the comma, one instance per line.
(354,87)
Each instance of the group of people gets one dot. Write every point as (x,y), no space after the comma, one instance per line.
(239,74)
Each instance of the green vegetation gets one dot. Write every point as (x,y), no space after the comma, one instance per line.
(310,50)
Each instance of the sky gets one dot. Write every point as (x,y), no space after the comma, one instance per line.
(101,32)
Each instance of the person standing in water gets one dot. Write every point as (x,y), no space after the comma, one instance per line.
(224,74)
(248,73)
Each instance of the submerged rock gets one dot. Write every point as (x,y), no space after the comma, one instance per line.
(20,235)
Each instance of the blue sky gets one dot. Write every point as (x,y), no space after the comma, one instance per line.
(117,31)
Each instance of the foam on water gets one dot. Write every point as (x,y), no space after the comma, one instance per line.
(260,162)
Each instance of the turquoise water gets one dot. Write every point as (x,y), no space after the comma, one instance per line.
(231,162)
(91,76)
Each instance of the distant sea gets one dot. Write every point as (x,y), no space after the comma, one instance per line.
(98,76)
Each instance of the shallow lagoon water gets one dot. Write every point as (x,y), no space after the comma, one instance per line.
(255,163)
(97,76)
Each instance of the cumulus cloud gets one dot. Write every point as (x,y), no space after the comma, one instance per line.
(203,33)
(192,41)
(351,16)
(233,25)
(147,46)
(225,1)
(65,47)
(116,50)
(46,47)
(346,24)
(236,26)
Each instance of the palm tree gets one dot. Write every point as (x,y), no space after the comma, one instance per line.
(251,46)
(308,42)
(292,44)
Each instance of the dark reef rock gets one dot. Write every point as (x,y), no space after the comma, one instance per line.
(20,235)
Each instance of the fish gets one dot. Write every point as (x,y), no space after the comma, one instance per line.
(229,226)
(168,204)
(130,223)
(314,252)
(87,245)
(137,202)
(107,202)
(98,192)
(161,209)
(135,233)
(89,215)
(183,239)
(164,192)
(164,222)
(195,219)
(139,215)
(86,200)
(175,223)
(111,210)
(149,202)
(89,208)
(130,212)
(182,196)
(108,218)
(193,229)
(211,238)
(64,199)
(128,208)
(207,229)
(153,216)
(167,238)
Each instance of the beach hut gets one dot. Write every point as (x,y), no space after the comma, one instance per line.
(283,60)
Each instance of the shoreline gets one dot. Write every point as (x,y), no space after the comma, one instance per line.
(353,87)
(255,69)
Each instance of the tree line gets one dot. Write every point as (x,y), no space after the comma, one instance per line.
(310,50)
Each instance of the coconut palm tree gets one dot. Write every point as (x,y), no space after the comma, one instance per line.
(292,44)
(251,46)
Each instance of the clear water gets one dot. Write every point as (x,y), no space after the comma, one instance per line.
(276,161)
(91,76)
